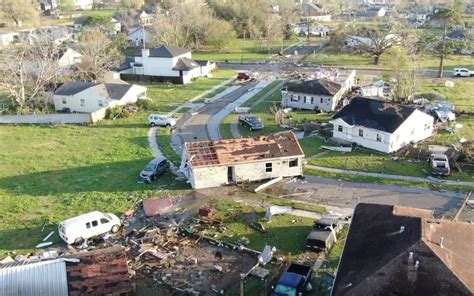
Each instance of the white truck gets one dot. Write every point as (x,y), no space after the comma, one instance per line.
(462,72)
(76,230)
(161,120)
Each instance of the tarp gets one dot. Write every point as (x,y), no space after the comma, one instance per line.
(276,210)
(290,279)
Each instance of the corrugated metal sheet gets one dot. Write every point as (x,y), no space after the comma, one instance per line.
(47,278)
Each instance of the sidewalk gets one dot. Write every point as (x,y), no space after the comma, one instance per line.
(388,176)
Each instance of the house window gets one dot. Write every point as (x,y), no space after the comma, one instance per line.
(83,102)
(101,104)
(268,167)
(95,223)
(293,163)
(88,225)
(339,128)
(104,221)
(312,100)
(322,101)
(64,101)
(361,133)
(294,98)
(379,138)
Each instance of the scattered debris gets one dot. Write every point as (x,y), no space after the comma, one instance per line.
(42,245)
(260,272)
(153,207)
(340,149)
(48,236)
(267,184)
(276,210)
(266,255)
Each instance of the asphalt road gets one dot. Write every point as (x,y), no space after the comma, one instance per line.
(193,127)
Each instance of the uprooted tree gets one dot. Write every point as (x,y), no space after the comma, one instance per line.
(27,71)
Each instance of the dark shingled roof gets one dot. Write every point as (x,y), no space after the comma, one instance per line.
(72,88)
(117,90)
(316,87)
(379,115)
(375,260)
(165,51)
(185,64)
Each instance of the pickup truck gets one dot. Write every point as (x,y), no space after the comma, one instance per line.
(439,165)
(250,121)
(294,280)
(324,234)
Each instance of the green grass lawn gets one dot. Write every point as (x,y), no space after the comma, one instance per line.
(460,94)
(167,97)
(163,139)
(312,145)
(234,49)
(364,60)
(286,232)
(49,174)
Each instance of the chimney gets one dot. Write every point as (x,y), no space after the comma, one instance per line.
(145,53)
(441,240)
(402,229)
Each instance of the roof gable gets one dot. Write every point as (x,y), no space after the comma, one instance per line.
(316,87)
(165,51)
(186,64)
(375,114)
(74,87)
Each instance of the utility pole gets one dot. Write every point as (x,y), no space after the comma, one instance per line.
(466,198)
(242,277)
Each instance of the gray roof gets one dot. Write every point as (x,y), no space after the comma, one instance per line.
(165,51)
(316,87)
(74,87)
(117,90)
(41,278)
(186,64)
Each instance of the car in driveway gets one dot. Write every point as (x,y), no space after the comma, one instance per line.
(439,165)
(462,72)
(155,168)
(251,121)
(161,120)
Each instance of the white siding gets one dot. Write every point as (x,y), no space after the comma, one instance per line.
(306,101)
(418,126)
(89,97)
(215,176)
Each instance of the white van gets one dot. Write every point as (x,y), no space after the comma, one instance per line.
(161,120)
(76,230)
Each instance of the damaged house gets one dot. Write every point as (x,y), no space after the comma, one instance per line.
(380,125)
(396,250)
(320,94)
(215,163)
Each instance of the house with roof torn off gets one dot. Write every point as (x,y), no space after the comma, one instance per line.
(166,63)
(215,163)
(380,125)
(396,250)
(320,94)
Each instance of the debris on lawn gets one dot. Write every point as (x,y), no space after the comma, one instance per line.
(48,236)
(276,210)
(336,148)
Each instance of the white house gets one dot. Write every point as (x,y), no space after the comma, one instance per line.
(169,63)
(215,163)
(89,97)
(137,35)
(7,38)
(315,12)
(355,41)
(321,94)
(70,58)
(84,4)
(380,125)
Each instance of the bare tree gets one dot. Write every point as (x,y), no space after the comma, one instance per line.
(17,11)
(99,56)
(27,71)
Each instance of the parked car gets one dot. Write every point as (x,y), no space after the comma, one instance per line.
(462,72)
(161,120)
(294,281)
(155,168)
(76,230)
(439,165)
(324,234)
(250,121)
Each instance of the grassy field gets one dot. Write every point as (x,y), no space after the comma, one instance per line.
(167,97)
(286,232)
(460,94)
(238,49)
(311,145)
(49,174)
(424,61)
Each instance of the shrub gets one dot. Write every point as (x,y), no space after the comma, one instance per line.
(146,105)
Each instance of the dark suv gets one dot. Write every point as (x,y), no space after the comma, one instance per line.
(250,121)
(154,169)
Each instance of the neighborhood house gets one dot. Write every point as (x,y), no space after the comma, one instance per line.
(216,163)
(396,250)
(380,125)
(167,63)
(321,94)
(89,97)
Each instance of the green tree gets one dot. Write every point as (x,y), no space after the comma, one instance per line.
(219,33)
(447,19)
(403,72)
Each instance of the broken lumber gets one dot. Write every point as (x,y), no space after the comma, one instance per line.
(339,149)
(268,184)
